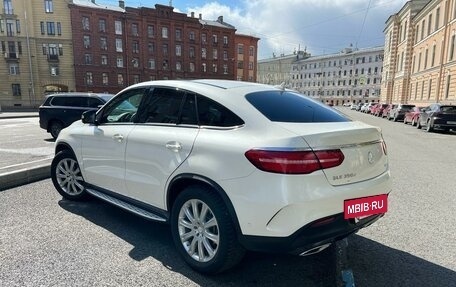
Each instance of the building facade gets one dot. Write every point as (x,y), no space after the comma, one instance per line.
(277,70)
(36,43)
(117,46)
(420,41)
(351,76)
(246,58)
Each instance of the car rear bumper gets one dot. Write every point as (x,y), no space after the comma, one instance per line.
(315,234)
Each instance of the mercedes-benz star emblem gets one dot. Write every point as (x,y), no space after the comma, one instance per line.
(370,157)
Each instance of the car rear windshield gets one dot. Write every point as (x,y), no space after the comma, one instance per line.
(285,106)
(448,109)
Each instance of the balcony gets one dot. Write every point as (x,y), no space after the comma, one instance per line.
(11,56)
(53,58)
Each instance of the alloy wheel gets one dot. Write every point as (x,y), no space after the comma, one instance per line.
(69,176)
(198,230)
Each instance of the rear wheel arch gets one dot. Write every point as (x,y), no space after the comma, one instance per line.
(182,181)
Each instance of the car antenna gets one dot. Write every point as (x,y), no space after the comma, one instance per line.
(281,86)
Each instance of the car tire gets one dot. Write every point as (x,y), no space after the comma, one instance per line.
(429,127)
(55,128)
(209,244)
(67,177)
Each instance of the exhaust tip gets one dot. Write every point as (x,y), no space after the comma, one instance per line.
(315,250)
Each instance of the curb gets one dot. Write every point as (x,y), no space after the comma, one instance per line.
(17,116)
(24,176)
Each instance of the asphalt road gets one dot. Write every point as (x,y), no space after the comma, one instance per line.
(47,241)
(23,141)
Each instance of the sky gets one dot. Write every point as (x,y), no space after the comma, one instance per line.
(318,26)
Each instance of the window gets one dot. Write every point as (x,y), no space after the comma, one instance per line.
(240,65)
(178,66)
(165,50)
(225,55)
(178,34)
(59,28)
(135,62)
(433,56)
(16,89)
(118,27)
(54,71)
(204,38)
(203,67)
(136,79)
(214,39)
(89,78)
(251,51)
(211,113)
(151,64)
(150,47)
(119,62)
(178,50)
(86,41)
(104,60)
(120,80)
(192,67)
(14,69)
(150,31)
(105,79)
(191,52)
(214,54)
(165,32)
(429,24)
(214,68)
(225,40)
(423,24)
(85,23)
(165,65)
(437,19)
(251,65)
(191,36)
(42,28)
(103,43)
(447,88)
(48,6)
(102,25)
(203,53)
(123,107)
(88,59)
(10,28)
(50,28)
(163,106)
(426,58)
(225,69)
(429,89)
(18,26)
(240,49)
(452,46)
(119,47)
(8,7)
(134,29)
(135,47)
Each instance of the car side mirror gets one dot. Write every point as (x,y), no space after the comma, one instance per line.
(89,117)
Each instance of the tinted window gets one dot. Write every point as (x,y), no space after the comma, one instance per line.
(448,109)
(163,106)
(188,115)
(279,106)
(211,113)
(124,107)
(94,102)
(69,101)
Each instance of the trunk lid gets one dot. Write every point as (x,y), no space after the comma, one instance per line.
(361,144)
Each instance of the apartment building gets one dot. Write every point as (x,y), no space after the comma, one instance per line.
(246,57)
(420,56)
(277,70)
(116,46)
(37,52)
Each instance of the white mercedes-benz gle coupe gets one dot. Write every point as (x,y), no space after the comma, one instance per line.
(230,165)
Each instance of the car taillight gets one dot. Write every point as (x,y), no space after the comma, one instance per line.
(294,162)
(385,151)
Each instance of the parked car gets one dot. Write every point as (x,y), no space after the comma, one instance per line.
(371,108)
(224,163)
(353,107)
(60,110)
(364,108)
(358,106)
(398,112)
(386,111)
(437,116)
(412,116)
(378,110)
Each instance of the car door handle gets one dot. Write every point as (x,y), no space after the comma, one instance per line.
(174,146)
(118,137)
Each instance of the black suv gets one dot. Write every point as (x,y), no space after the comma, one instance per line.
(60,110)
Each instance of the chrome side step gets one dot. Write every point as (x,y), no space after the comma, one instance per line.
(127,206)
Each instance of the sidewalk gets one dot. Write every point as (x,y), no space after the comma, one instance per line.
(18,173)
